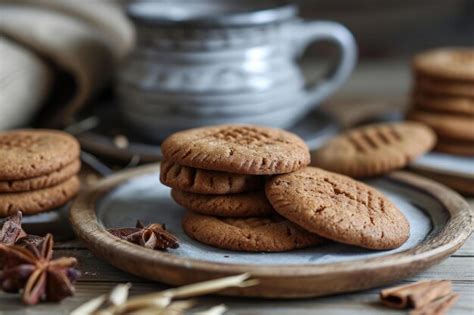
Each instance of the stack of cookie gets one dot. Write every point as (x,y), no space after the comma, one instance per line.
(218,173)
(443,97)
(248,188)
(38,170)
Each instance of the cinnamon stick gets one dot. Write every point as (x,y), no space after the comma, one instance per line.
(439,307)
(415,295)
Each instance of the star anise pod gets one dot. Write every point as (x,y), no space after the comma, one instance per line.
(33,271)
(153,236)
(11,230)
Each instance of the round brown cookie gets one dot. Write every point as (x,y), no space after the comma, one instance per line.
(240,149)
(338,208)
(449,87)
(40,200)
(374,149)
(30,153)
(200,181)
(439,102)
(263,234)
(456,127)
(249,204)
(455,147)
(40,182)
(446,63)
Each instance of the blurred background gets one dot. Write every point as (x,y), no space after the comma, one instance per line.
(391,28)
(63,64)
(388,29)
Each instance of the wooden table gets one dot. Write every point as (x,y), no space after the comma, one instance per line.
(99,277)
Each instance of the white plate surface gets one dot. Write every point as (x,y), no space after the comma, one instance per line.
(145,198)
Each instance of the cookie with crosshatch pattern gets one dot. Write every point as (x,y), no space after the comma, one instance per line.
(374,149)
(339,208)
(239,149)
(262,234)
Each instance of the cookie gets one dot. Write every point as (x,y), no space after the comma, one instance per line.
(456,127)
(338,208)
(443,103)
(41,200)
(454,88)
(40,182)
(374,149)
(200,181)
(250,204)
(264,234)
(239,149)
(31,153)
(455,147)
(446,63)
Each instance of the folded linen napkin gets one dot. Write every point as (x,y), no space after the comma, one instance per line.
(85,39)
(20,71)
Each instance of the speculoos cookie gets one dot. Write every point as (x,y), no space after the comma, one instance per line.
(249,204)
(443,103)
(263,234)
(456,88)
(31,153)
(446,63)
(201,181)
(338,208)
(456,147)
(239,149)
(43,181)
(455,127)
(40,200)
(374,149)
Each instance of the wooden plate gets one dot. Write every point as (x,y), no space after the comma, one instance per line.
(440,223)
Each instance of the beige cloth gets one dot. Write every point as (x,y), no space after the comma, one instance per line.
(25,81)
(86,39)
(105,16)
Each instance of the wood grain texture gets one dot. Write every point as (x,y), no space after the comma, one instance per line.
(278,281)
(99,278)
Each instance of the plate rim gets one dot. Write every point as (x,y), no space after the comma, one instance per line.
(452,235)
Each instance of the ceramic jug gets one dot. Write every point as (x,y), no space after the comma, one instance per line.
(210,62)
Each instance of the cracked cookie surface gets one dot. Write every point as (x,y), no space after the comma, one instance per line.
(200,181)
(268,234)
(30,153)
(374,149)
(239,149)
(338,208)
(249,204)
(32,202)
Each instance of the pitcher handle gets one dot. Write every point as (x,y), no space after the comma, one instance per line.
(312,31)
